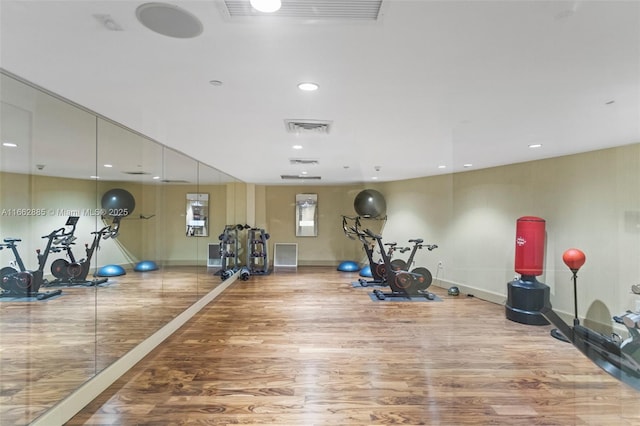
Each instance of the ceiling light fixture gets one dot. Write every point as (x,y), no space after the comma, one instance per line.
(216,83)
(266,6)
(308,87)
(442,166)
(9,144)
(297,147)
(535,145)
(466,166)
(108,166)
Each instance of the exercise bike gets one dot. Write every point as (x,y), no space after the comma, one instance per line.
(425,278)
(74,272)
(21,282)
(402,283)
(620,359)
(378,269)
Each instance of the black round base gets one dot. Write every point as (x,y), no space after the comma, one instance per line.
(525,298)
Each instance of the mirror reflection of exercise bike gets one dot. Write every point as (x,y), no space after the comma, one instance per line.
(74,272)
(17,281)
(619,358)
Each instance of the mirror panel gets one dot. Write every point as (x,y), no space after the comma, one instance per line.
(306,215)
(69,162)
(44,179)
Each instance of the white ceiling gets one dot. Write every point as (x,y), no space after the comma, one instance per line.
(428,83)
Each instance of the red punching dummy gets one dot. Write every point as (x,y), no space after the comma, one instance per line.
(529,256)
(526,296)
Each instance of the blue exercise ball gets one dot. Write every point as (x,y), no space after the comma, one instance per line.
(110,271)
(117,202)
(145,266)
(348,266)
(370,203)
(366,272)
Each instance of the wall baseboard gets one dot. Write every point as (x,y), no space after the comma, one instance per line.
(501,299)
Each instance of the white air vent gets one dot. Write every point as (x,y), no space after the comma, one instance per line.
(136,173)
(320,127)
(303,161)
(362,10)
(299,177)
(174,181)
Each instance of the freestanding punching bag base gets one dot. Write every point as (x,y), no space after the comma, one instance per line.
(525,298)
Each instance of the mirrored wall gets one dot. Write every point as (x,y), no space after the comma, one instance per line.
(79,293)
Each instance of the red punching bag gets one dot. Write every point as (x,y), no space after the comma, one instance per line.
(529,257)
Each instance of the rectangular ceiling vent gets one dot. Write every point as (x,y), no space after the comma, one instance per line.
(299,177)
(174,181)
(137,173)
(317,127)
(360,10)
(303,161)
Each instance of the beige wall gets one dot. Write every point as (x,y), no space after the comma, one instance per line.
(330,246)
(590,201)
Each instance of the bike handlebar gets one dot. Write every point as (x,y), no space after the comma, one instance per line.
(54,234)
(372,235)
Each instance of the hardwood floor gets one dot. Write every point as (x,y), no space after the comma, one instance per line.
(49,348)
(305,348)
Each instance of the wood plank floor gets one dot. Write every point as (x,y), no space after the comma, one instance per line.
(305,348)
(49,348)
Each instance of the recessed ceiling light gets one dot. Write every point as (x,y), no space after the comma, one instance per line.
(374,178)
(535,145)
(215,83)
(9,144)
(467,165)
(108,165)
(442,166)
(266,6)
(95,177)
(155,177)
(297,147)
(610,102)
(304,173)
(308,87)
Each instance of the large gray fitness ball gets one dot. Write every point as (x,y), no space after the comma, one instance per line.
(118,202)
(370,203)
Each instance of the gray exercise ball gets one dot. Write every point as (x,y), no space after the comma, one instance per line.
(118,202)
(370,203)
